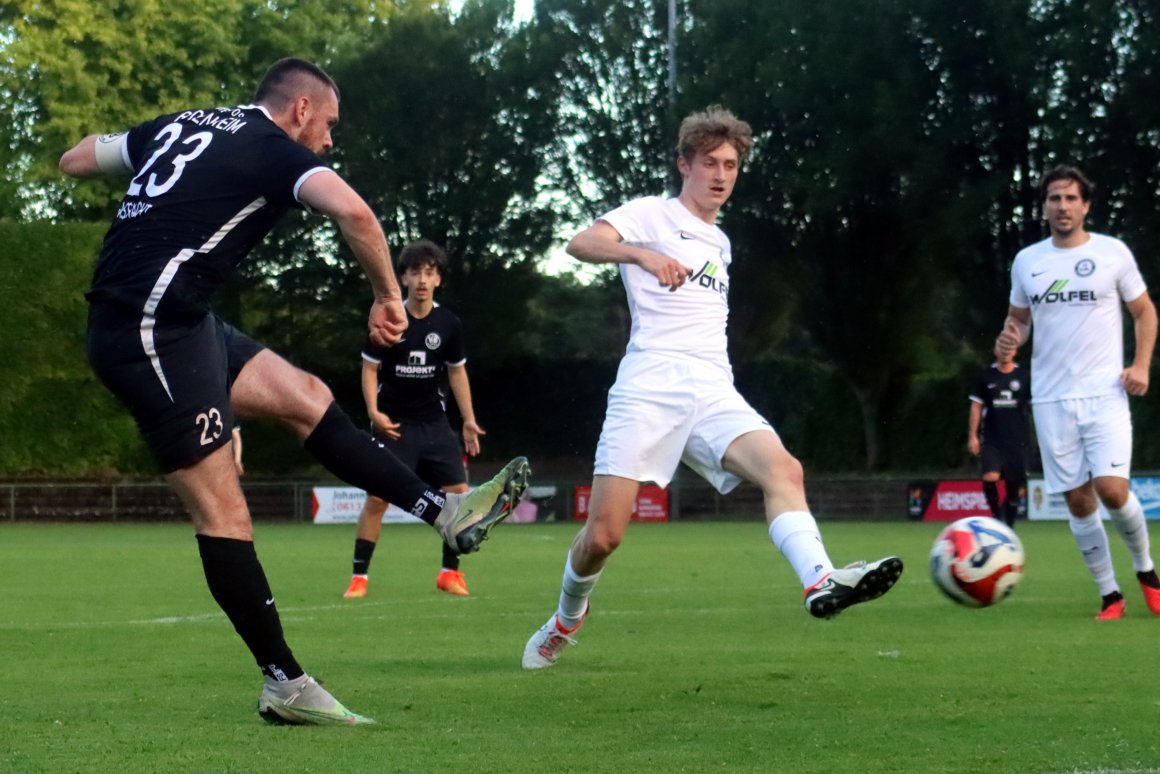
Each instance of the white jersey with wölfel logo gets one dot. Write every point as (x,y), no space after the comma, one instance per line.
(1075,295)
(690,321)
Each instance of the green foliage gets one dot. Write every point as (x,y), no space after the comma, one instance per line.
(73,68)
(57,417)
(697,657)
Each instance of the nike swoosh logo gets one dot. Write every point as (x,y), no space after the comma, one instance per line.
(1037,273)
(270,601)
(1118,464)
(684,235)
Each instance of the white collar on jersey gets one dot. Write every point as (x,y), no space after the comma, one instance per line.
(257,107)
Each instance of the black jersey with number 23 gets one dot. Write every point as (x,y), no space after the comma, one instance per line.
(208,185)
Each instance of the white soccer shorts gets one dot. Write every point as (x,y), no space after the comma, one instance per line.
(665,409)
(1081,438)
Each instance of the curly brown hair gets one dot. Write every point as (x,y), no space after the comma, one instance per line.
(706,130)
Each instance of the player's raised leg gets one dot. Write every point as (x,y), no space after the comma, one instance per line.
(760,458)
(609,513)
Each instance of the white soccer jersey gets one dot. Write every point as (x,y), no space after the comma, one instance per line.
(692,320)
(1074,296)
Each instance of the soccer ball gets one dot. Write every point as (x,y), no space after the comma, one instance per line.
(977,561)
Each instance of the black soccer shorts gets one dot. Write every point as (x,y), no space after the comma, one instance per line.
(1011,464)
(428,447)
(175,379)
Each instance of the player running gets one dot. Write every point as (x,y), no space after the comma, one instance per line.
(674,398)
(1071,285)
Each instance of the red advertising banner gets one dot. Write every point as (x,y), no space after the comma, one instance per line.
(652,503)
(949,500)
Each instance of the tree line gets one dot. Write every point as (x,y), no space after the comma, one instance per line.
(894,178)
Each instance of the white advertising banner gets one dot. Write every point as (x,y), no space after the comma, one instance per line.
(342,505)
(1042,506)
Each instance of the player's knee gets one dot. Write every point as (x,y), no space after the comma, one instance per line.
(603,540)
(787,470)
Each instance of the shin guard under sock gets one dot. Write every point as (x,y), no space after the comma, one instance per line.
(239,586)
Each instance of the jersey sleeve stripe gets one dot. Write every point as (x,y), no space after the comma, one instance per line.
(306,176)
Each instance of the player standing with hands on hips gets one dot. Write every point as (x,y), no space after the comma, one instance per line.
(207,185)
(1067,291)
(674,398)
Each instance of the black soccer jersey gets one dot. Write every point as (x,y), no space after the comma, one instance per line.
(208,186)
(1006,400)
(413,381)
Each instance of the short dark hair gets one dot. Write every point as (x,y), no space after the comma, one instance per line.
(288,78)
(420,253)
(1065,172)
(708,129)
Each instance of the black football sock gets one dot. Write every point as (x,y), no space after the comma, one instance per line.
(450,558)
(353,456)
(1016,500)
(1149,578)
(239,586)
(1111,599)
(363,551)
(991,492)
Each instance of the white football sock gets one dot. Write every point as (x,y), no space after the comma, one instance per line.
(1092,540)
(1129,521)
(574,593)
(795,533)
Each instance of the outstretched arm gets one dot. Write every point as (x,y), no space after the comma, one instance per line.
(96,155)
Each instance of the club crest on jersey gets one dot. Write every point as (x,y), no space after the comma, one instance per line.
(1085,267)
(433,340)
(706,277)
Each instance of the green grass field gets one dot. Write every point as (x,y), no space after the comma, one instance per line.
(698,657)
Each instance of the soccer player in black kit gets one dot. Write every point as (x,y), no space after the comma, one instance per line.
(1000,406)
(405,388)
(207,185)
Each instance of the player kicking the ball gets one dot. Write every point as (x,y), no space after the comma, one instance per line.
(674,397)
(207,185)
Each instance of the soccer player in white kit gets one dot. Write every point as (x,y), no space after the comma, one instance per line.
(1070,286)
(674,398)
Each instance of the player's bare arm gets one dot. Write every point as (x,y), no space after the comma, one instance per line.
(1015,330)
(330,194)
(601,243)
(370,391)
(461,389)
(973,420)
(1135,377)
(96,155)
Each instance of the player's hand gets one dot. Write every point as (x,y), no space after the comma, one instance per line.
(1007,343)
(385,426)
(471,434)
(669,272)
(1135,380)
(388,320)
(973,445)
